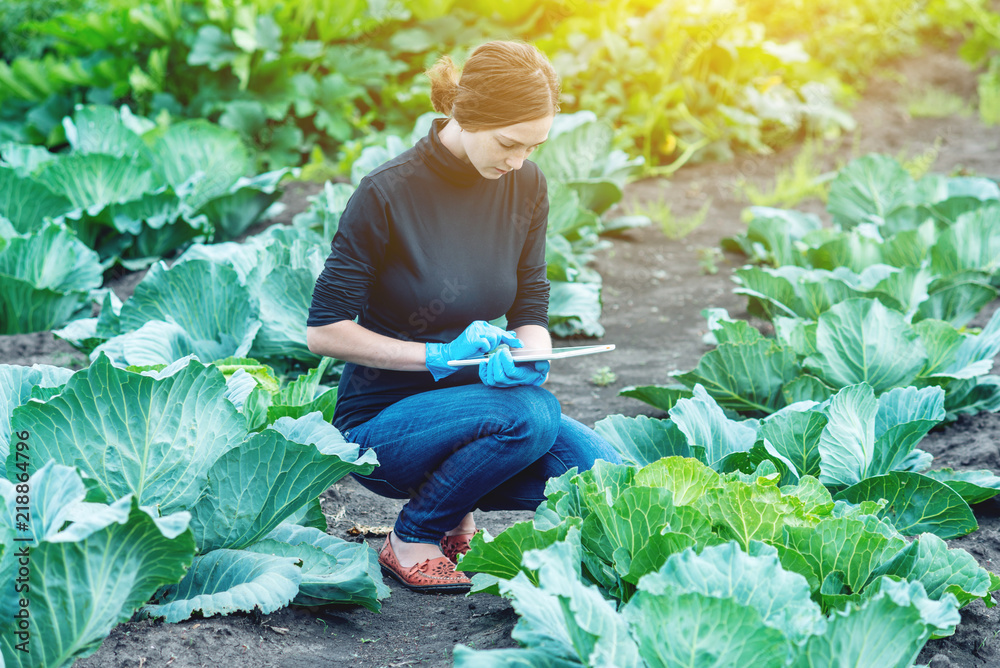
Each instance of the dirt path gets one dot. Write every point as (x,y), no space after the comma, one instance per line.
(653,295)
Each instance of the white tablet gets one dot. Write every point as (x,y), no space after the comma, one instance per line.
(522,355)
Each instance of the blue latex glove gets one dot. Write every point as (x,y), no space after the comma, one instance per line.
(478,339)
(501,371)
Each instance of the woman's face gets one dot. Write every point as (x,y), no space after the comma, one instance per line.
(495,152)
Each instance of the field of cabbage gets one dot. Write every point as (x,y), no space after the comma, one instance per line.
(810,427)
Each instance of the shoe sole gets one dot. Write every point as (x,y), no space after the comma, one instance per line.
(455,588)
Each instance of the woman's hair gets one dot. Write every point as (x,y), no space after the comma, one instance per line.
(502,83)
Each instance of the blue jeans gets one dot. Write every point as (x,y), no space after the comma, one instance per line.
(453,450)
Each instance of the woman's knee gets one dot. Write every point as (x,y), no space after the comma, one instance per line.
(532,413)
(539,408)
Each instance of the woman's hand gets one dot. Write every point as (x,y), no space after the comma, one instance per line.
(478,339)
(502,371)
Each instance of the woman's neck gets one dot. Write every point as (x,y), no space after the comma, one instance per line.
(450,136)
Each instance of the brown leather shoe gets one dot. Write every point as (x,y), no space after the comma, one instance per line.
(452,546)
(431,575)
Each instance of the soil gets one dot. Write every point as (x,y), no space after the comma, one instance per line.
(654,291)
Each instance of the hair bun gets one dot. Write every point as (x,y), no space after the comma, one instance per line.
(502,83)
(444,85)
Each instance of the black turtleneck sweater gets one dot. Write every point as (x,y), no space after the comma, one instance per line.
(425,246)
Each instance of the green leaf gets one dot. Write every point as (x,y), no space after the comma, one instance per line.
(126,430)
(979,347)
(957,301)
(724,329)
(755,579)
(851,548)
(746,377)
(970,244)
(212,47)
(24,159)
(853,250)
(687,479)
(333,570)
(942,341)
(779,230)
(794,291)
(657,396)
(703,631)
(563,615)
(94,181)
(501,556)
(906,290)
(815,497)
(45,278)
(99,129)
(873,185)
(910,248)
(583,158)
(305,395)
(973,486)
(904,417)
(618,532)
(916,503)
(284,295)
(201,160)
(262,482)
(243,257)
(325,209)
(847,442)
(889,629)
(262,35)
(705,425)
(575,308)
(797,334)
(226,581)
(806,388)
(984,396)
(243,203)
(928,560)
(91,566)
(642,440)
(26,202)
(310,515)
(772,294)
(794,433)
(861,341)
(755,511)
(206,304)
(16,383)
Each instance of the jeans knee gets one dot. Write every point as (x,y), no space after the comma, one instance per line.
(535,412)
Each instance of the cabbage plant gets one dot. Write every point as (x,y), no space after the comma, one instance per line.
(791,291)
(630,520)
(46,277)
(858,340)
(134,190)
(724,606)
(176,441)
(215,301)
(882,215)
(675,564)
(91,562)
(862,448)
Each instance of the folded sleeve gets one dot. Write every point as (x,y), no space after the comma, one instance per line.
(356,252)
(531,306)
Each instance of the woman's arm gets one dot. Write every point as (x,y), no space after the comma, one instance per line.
(347,340)
(535,337)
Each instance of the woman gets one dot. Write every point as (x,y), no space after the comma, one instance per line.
(432,245)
